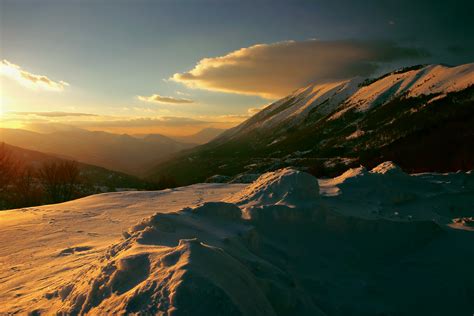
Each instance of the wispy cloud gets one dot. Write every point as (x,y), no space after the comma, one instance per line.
(163,121)
(53,114)
(253,111)
(165,100)
(28,79)
(182,93)
(274,70)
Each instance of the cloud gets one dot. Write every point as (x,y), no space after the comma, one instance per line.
(253,111)
(27,79)
(53,114)
(182,93)
(274,70)
(166,100)
(168,121)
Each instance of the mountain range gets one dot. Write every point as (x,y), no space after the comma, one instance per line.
(124,153)
(203,136)
(421,117)
(99,177)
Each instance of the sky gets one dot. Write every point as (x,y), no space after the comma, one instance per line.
(175,67)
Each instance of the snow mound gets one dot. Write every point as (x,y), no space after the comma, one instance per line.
(388,168)
(298,253)
(466,221)
(351,173)
(387,191)
(206,260)
(282,187)
(217,178)
(384,184)
(184,263)
(245,178)
(191,278)
(219,210)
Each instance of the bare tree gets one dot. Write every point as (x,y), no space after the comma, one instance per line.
(8,168)
(26,190)
(166,181)
(70,177)
(59,180)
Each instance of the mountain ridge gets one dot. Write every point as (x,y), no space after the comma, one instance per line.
(329,127)
(119,152)
(356,93)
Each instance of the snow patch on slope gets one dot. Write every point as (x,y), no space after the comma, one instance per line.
(294,108)
(322,98)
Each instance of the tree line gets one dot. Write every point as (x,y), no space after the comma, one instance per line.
(24,185)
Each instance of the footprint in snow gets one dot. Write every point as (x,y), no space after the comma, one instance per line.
(73,250)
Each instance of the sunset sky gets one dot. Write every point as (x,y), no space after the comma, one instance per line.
(175,67)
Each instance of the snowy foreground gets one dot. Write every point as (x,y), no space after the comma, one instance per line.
(376,242)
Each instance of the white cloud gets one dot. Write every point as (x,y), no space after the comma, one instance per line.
(54,114)
(274,70)
(156,98)
(30,80)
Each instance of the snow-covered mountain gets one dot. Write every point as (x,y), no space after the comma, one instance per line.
(359,95)
(435,80)
(414,116)
(295,107)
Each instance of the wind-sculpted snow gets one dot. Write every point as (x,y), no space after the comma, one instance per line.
(364,243)
(283,187)
(194,262)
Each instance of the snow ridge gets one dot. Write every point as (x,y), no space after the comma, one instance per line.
(342,96)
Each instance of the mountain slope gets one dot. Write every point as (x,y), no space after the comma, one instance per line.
(359,95)
(203,136)
(93,175)
(118,152)
(421,117)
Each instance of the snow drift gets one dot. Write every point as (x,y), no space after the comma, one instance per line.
(364,243)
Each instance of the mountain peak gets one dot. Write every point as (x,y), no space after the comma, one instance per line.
(431,79)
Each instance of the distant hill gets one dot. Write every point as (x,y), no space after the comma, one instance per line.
(102,178)
(123,153)
(421,117)
(203,136)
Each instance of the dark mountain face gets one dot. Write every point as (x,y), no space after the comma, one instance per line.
(123,153)
(420,118)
